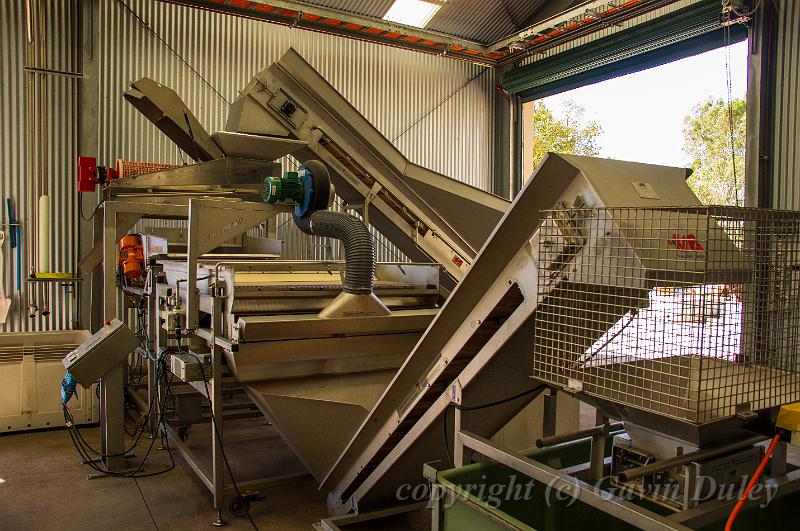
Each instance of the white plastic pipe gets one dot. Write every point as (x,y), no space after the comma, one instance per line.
(43,243)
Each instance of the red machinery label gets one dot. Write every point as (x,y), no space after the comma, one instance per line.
(686,242)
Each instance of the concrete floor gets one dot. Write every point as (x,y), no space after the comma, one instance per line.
(46,488)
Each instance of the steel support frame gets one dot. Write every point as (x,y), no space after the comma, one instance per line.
(760,100)
(117,220)
(502,51)
(564,483)
(214,479)
(507,169)
(516,251)
(231,218)
(692,516)
(337,523)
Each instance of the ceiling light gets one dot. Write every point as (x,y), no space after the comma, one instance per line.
(412,12)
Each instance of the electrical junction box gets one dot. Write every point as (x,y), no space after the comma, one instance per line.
(101,352)
(186,367)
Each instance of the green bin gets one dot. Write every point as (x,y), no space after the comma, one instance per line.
(467,501)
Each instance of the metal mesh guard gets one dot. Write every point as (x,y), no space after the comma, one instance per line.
(691,313)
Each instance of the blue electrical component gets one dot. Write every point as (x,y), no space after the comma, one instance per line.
(68,385)
(307,178)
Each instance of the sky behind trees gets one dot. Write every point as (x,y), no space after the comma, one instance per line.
(642,114)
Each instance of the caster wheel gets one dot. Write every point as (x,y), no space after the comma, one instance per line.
(239,506)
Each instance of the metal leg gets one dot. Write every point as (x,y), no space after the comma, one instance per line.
(598,452)
(153,330)
(218,465)
(458,445)
(436,512)
(778,460)
(112,400)
(112,419)
(152,397)
(550,413)
(599,418)
(219,522)
(690,473)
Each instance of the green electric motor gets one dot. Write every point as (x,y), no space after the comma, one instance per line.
(308,189)
(288,190)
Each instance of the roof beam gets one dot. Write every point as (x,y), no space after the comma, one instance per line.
(574,22)
(583,19)
(323,19)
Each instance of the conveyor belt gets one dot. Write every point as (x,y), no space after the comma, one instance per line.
(420,211)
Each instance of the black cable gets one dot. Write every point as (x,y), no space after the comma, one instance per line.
(88,448)
(536,390)
(461,407)
(217,435)
(446,438)
(170,48)
(459,89)
(86,445)
(82,447)
(125,424)
(80,208)
(135,473)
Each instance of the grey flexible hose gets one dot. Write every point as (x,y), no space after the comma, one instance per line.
(359,251)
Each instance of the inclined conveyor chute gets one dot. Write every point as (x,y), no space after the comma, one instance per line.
(420,211)
(479,346)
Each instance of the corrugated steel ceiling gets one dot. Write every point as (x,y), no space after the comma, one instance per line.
(366,8)
(480,32)
(485,22)
(476,20)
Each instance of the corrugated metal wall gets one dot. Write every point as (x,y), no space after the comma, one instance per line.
(437,111)
(786,157)
(38,138)
(406,95)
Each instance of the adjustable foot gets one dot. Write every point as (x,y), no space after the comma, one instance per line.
(219,522)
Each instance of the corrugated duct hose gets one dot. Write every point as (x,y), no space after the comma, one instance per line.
(359,250)
(309,189)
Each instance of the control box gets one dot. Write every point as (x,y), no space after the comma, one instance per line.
(187,368)
(101,352)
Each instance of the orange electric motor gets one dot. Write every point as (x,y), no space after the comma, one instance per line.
(131,256)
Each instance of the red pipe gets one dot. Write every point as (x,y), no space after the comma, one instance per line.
(753,481)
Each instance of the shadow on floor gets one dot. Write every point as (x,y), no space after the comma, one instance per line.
(45,486)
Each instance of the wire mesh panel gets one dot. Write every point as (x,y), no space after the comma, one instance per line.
(691,313)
